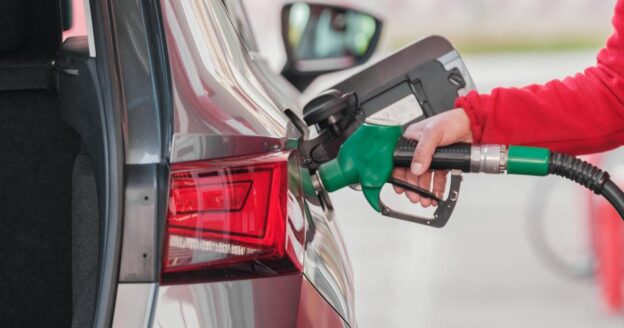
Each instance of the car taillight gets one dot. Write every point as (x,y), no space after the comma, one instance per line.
(228,219)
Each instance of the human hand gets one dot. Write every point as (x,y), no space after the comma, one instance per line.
(441,130)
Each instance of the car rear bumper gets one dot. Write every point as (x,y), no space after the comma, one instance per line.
(285,301)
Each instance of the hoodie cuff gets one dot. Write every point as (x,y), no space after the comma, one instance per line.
(467,103)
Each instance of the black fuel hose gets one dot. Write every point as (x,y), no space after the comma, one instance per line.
(589,176)
(615,196)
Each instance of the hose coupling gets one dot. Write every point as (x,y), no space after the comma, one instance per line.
(490,159)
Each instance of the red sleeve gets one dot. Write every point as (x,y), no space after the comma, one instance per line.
(578,115)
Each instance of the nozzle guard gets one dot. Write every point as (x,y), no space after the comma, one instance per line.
(442,213)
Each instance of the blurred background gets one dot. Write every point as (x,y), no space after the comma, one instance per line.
(518,251)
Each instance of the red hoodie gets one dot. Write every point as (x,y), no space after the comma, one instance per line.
(577,115)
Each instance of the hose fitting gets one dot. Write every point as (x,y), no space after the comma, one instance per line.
(490,159)
(528,160)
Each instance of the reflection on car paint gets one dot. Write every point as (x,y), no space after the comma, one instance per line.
(224,105)
(215,90)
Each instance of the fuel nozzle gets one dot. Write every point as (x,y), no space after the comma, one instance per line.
(373,150)
(365,158)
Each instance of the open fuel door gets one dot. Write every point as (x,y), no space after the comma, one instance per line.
(416,82)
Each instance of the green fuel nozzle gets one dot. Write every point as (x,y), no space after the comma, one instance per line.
(369,155)
(366,158)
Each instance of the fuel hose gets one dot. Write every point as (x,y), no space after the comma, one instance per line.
(522,160)
(589,176)
(615,196)
(533,161)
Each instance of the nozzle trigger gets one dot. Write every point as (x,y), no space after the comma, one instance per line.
(442,213)
(410,187)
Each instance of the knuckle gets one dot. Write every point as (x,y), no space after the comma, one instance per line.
(423,133)
(431,127)
(413,131)
(422,153)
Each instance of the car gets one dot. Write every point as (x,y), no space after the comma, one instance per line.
(150,174)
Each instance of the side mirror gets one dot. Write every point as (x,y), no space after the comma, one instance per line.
(322,38)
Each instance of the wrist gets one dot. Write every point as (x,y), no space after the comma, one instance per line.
(466,105)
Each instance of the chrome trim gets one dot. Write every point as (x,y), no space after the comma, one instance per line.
(134,306)
(488,159)
(194,147)
(475,158)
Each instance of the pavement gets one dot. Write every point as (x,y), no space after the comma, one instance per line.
(481,270)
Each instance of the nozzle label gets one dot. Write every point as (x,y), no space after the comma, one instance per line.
(401,112)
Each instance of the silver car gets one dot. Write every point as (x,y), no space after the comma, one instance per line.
(150,173)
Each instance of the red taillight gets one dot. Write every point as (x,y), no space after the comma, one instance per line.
(228,218)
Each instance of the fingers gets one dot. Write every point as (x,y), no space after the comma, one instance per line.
(412,179)
(441,130)
(428,140)
(439,183)
(399,173)
(425,183)
(415,130)
(434,181)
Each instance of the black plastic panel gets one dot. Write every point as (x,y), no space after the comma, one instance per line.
(413,70)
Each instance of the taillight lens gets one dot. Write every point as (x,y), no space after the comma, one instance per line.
(228,219)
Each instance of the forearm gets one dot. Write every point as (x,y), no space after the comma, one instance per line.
(580,114)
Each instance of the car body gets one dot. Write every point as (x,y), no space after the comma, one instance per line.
(225,103)
(181,85)
(153,174)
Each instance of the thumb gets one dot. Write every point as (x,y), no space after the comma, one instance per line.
(421,161)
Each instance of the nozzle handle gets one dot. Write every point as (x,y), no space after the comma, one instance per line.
(452,157)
